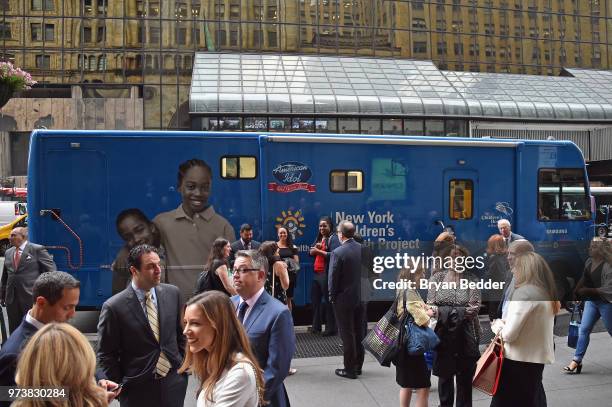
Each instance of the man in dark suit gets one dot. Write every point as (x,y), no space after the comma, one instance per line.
(141,343)
(23,263)
(505,229)
(345,295)
(245,242)
(267,322)
(56,296)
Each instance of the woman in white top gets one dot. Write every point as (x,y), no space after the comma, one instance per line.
(219,354)
(527,331)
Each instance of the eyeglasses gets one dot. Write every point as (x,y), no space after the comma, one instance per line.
(244,270)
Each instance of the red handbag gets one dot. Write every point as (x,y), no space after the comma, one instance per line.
(488,367)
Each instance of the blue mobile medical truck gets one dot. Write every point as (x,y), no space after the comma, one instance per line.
(398,191)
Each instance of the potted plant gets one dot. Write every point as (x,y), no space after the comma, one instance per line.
(12,80)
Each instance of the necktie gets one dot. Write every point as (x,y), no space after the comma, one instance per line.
(163,365)
(242,309)
(17,257)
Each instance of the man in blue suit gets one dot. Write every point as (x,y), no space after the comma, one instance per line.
(267,322)
(345,295)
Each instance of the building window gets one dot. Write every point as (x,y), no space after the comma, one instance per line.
(154,35)
(37,34)
(102,63)
(272,39)
(461,202)
(5,31)
(346,181)
(43,61)
(221,38)
(257,38)
(87,34)
(181,36)
(40,5)
(101,34)
(419,47)
(233,38)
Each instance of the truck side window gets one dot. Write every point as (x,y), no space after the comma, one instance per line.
(562,195)
(238,167)
(346,181)
(461,198)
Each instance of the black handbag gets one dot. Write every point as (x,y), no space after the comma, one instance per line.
(387,337)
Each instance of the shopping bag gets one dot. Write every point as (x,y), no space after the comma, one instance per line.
(386,338)
(488,367)
(574,327)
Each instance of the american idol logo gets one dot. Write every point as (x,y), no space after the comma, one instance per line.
(293,176)
(292,172)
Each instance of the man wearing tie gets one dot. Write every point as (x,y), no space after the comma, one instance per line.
(505,229)
(23,263)
(245,242)
(267,322)
(141,344)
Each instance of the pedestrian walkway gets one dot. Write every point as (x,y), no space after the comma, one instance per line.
(316,385)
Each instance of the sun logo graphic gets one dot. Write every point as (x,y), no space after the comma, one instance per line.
(292,221)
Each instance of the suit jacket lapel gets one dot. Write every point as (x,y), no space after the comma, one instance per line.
(257,310)
(160,307)
(24,255)
(136,308)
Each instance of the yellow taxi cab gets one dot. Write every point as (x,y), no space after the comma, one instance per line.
(5,231)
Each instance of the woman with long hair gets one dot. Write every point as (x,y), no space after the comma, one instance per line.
(595,289)
(58,355)
(411,372)
(216,269)
(287,250)
(277,280)
(498,270)
(219,354)
(527,332)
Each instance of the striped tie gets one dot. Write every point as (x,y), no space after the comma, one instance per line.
(163,365)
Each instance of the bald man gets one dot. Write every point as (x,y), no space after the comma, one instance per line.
(23,263)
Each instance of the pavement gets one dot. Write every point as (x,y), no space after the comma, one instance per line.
(316,385)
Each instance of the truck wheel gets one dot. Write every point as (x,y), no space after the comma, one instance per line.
(601,231)
(4,245)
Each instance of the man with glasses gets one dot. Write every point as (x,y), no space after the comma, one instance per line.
(267,322)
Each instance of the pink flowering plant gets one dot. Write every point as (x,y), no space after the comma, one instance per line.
(15,79)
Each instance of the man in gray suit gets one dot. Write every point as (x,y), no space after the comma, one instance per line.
(141,343)
(23,263)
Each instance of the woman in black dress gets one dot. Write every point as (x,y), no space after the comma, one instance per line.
(215,276)
(277,281)
(287,250)
(411,372)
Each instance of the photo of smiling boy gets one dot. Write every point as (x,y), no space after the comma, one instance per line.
(188,232)
(134,228)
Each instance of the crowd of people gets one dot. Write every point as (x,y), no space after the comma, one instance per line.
(230,324)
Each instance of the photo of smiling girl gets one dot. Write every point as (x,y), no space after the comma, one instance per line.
(188,232)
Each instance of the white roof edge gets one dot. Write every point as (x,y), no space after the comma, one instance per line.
(392,141)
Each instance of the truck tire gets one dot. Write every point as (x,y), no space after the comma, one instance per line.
(4,245)
(601,231)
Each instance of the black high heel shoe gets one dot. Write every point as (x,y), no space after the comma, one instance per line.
(576,370)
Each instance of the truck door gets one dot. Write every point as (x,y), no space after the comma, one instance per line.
(461,203)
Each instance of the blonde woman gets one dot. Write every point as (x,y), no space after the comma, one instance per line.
(527,331)
(219,354)
(595,289)
(411,372)
(58,355)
